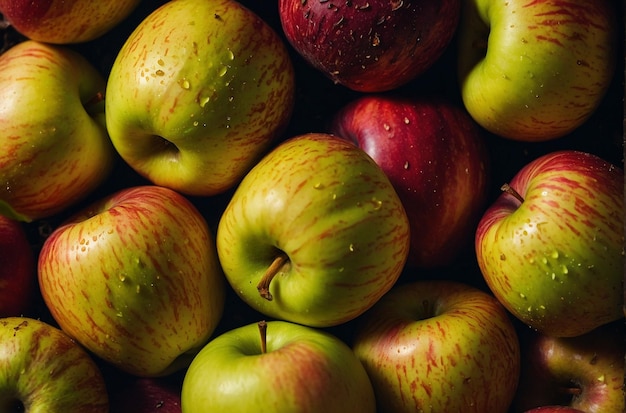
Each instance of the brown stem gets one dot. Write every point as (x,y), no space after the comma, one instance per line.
(264,285)
(509,190)
(97,98)
(571,391)
(263,331)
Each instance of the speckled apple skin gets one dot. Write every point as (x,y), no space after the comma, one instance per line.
(536,70)
(64,22)
(556,261)
(198,93)
(135,279)
(54,151)
(327,205)
(439,346)
(46,370)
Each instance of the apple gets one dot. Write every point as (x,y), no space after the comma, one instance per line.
(314,234)
(54,147)
(17,269)
(135,279)
(63,22)
(276,366)
(435,157)
(551,246)
(44,370)
(439,346)
(584,372)
(553,409)
(198,93)
(370,46)
(535,70)
(145,394)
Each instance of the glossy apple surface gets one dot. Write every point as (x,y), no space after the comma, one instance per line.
(43,370)
(584,372)
(62,22)
(197,93)
(315,232)
(435,157)
(370,46)
(555,257)
(298,368)
(54,147)
(435,346)
(17,269)
(135,279)
(535,71)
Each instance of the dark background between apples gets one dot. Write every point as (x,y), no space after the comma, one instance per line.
(317,98)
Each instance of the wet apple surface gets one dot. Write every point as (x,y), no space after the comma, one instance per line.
(432,135)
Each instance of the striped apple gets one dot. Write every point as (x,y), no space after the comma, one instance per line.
(315,233)
(135,279)
(551,246)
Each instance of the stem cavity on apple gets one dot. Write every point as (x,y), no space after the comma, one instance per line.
(280,261)
(509,190)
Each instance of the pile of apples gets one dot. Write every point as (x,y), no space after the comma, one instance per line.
(312,206)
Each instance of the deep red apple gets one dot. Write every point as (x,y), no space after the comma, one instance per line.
(146,395)
(17,269)
(584,372)
(370,45)
(435,157)
(554,409)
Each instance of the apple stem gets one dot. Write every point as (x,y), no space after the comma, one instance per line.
(572,391)
(509,190)
(264,285)
(263,331)
(97,98)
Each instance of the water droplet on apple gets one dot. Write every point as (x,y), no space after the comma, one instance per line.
(564,269)
(231,55)
(407,121)
(522,296)
(386,127)
(122,277)
(159,73)
(223,71)
(378,204)
(204,101)
(406,165)
(119,314)
(184,83)
(138,289)
(555,254)
(318,185)
(351,247)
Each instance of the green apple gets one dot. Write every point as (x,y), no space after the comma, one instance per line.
(439,346)
(551,246)
(42,370)
(277,367)
(135,279)
(54,147)
(198,92)
(315,232)
(60,21)
(535,70)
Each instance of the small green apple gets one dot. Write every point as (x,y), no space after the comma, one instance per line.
(551,247)
(135,279)
(439,346)
(42,370)
(54,147)
(315,233)
(277,367)
(535,70)
(197,93)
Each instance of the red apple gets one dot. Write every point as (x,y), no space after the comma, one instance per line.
(370,45)
(17,268)
(146,395)
(554,409)
(435,157)
(584,372)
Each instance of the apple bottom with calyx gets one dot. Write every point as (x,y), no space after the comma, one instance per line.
(276,366)
(17,269)
(44,370)
(437,346)
(584,372)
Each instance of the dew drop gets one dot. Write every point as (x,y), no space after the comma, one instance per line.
(555,254)
(377,204)
(351,247)
(196,123)
(204,101)
(522,295)
(223,71)
(122,277)
(159,73)
(184,83)
(318,185)
(406,165)
(231,55)
(386,127)
(407,121)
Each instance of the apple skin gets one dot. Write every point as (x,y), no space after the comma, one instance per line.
(435,157)
(64,22)
(324,204)
(553,409)
(556,260)
(44,370)
(145,394)
(135,279)
(303,370)
(584,372)
(197,93)
(54,147)
(370,46)
(17,269)
(535,71)
(436,346)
